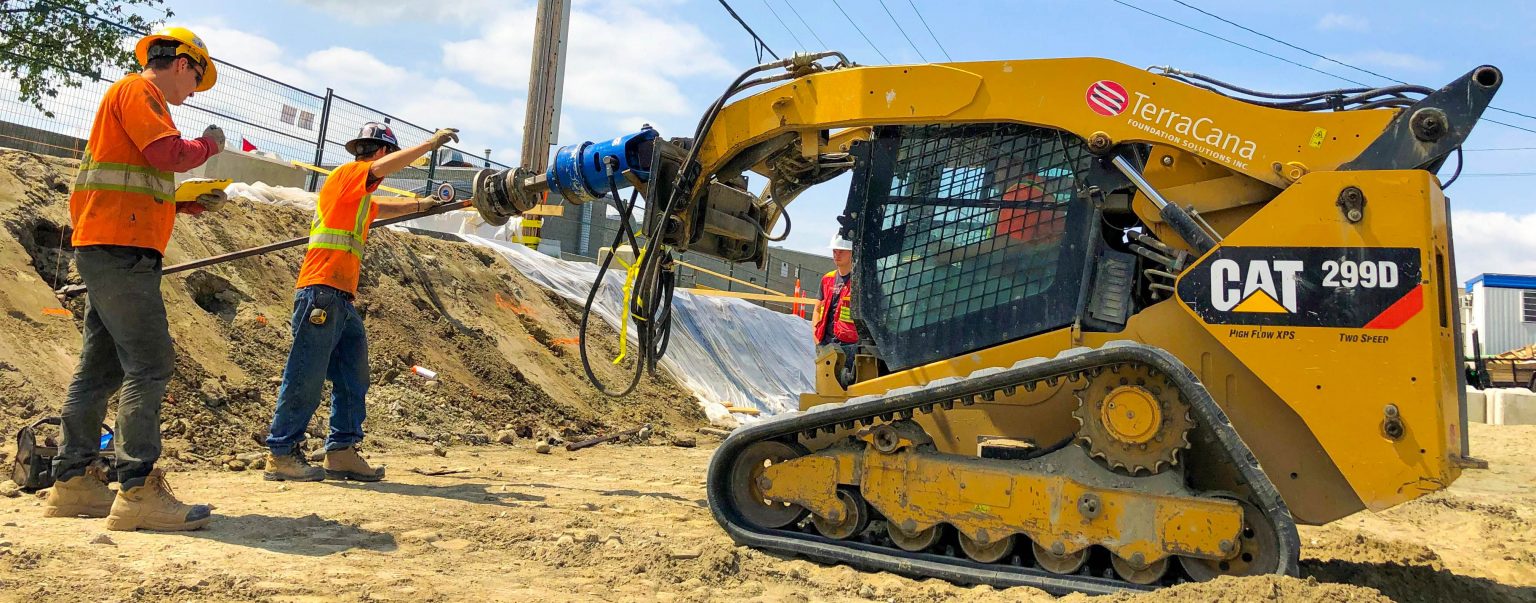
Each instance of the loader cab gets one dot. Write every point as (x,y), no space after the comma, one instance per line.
(968,236)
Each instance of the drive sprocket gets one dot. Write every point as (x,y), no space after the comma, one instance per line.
(1133,420)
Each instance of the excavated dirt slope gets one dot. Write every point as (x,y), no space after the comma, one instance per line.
(504,349)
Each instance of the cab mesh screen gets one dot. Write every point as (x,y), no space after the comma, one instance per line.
(970,236)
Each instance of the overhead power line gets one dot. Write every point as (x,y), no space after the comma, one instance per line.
(755,37)
(1327,58)
(930,31)
(903,31)
(1500,149)
(784,25)
(807,26)
(1233,42)
(856,28)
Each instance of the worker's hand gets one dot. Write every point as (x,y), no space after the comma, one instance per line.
(213,201)
(191,208)
(216,135)
(444,136)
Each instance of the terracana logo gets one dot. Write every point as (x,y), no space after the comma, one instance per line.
(1107,98)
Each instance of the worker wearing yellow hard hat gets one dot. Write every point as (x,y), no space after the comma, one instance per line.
(175,42)
(122,210)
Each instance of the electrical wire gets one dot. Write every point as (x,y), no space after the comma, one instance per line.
(755,37)
(930,31)
(784,25)
(807,25)
(903,31)
(861,32)
(1315,54)
(1460,162)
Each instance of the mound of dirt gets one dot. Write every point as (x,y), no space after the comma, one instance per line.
(502,347)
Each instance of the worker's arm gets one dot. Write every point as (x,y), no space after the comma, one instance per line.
(396,161)
(177,154)
(394,207)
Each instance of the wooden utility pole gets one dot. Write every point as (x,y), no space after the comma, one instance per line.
(546,75)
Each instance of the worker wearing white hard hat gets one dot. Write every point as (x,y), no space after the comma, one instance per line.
(833,319)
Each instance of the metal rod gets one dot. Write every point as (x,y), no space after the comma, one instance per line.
(73,290)
(1178,219)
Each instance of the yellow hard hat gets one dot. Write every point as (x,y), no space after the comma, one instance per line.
(190,45)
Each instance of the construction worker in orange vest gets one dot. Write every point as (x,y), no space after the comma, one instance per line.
(122,210)
(328,337)
(833,319)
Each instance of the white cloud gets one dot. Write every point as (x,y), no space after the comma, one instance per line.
(347,68)
(384,12)
(602,54)
(1390,60)
(1337,21)
(1494,242)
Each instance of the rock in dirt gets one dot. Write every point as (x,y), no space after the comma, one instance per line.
(10,489)
(565,540)
(684,554)
(684,441)
(439,450)
(104,540)
(457,544)
(422,535)
(542,448)
(506,436)
(235,465)
(475,439)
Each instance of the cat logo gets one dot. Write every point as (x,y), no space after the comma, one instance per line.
(1340,287)
(1266,286)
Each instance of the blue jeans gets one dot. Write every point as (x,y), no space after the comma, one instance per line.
(128,347)
(335,349)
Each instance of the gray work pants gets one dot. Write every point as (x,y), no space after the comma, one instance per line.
(127,346)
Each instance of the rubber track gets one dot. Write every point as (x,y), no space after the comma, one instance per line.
(983,384)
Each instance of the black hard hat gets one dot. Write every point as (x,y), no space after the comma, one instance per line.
(374,132)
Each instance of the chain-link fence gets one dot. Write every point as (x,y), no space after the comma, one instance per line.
(257,113)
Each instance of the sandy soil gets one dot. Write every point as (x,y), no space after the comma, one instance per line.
(627,523)
(503,347)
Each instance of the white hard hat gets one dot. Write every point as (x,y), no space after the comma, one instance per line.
(838,242)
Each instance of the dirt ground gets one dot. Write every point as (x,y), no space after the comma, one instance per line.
(504,348)
(628,523)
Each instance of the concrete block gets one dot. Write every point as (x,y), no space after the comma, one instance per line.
(1477,406)
(249,167)
(1511,406)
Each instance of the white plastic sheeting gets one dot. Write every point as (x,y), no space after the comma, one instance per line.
(724,350)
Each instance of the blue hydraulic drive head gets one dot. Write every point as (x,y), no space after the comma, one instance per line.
(577,174)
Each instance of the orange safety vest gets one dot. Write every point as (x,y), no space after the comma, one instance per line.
(340,229)
(119,198)
(1029,224)
(842,326)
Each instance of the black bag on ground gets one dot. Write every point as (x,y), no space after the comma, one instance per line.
(33,469)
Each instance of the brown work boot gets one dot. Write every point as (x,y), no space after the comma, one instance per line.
(348,464)
(291,467)
(84,495)
(150,505)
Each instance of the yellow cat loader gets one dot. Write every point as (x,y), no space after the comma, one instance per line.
(1119,328)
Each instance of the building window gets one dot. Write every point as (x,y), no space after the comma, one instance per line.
(289,112)
(306,120)
(1528,306)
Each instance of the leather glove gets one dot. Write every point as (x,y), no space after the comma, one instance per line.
(212,201)
(444,136)
(216,135)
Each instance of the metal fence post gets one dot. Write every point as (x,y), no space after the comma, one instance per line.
(325,118)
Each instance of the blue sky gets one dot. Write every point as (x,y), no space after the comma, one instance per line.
(464,64)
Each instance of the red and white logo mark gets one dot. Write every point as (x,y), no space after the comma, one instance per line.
(1107,98)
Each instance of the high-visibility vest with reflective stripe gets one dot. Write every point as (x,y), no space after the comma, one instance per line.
(340,229)
(836,311)
(119,198)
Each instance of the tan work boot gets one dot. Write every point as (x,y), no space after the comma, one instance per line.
(84,495)
(291,467)
(152,506)
(348,464)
